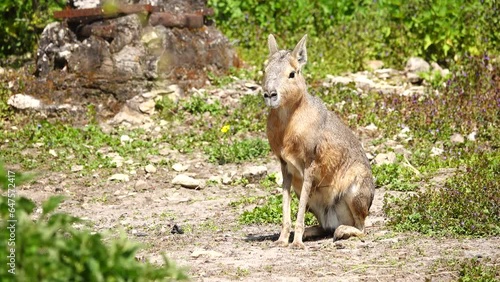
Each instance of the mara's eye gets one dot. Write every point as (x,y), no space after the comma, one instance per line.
(292,74)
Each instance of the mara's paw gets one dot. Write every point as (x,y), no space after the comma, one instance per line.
(280,243)
(344,232)
(298,245)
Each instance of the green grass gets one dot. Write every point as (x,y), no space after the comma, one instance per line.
(238,132)
(468,204)
(33,146)
(272,212)
(396,177)
(468,269)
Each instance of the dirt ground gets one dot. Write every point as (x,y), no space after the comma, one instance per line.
(216,247)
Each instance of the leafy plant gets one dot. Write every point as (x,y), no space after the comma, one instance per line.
(468,204)
(49,248)
(22,22)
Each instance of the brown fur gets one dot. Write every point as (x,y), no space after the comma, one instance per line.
(320,157)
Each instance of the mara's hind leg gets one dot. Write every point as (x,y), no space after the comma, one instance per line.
(316,231)
(358,198)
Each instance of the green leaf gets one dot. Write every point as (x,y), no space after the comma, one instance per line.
(427,41)
(51,204)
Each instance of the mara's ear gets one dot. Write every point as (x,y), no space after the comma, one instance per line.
(271,43)
(300,51)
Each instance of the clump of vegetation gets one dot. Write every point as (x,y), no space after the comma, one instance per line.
(22,22)
(478,271)
(49,248)
(58,146)
(395,177)
(237,132)
(468,204)
(390,31)
(238,151)
(470,269)
(272,212)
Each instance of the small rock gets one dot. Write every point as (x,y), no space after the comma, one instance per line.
(175,92)
(179,167)
(210,254)
(186,181)
(119,177)
(117,160)
(374,64)
(148,107)
(385,158)
(338,79)
(140,185)
(416,64)
(125,139)
(227,178)
(23,102)
(413,67)
(436,151)
(364,82)
(371,127)
(53,152)
(472,136)
(150,168)
(255,173)
(369,156)
(457,138)
(76,168)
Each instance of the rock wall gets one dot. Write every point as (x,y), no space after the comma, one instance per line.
(133,46)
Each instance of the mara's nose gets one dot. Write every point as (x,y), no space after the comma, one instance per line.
(273,94)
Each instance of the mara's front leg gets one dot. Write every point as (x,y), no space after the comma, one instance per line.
(287,219)
(304,198)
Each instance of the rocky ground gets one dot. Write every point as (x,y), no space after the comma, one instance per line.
(151,203)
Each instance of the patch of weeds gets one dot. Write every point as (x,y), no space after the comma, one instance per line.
(395,177)
(468,270)
(209,225)
(5,110)
(238,151)
(250,116)
(232,140)
(58,146)
(478,270)
(468,204)
(272,212)
(201,104)
(245,201)
(240,181)
(166,108)
(242,272)
(269,181)
(212,183)
(435,78)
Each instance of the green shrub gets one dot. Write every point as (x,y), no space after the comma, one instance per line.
(49,248)
(468,204)
(22,22)
(390,30)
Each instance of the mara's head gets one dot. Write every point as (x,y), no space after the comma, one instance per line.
(283,81)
